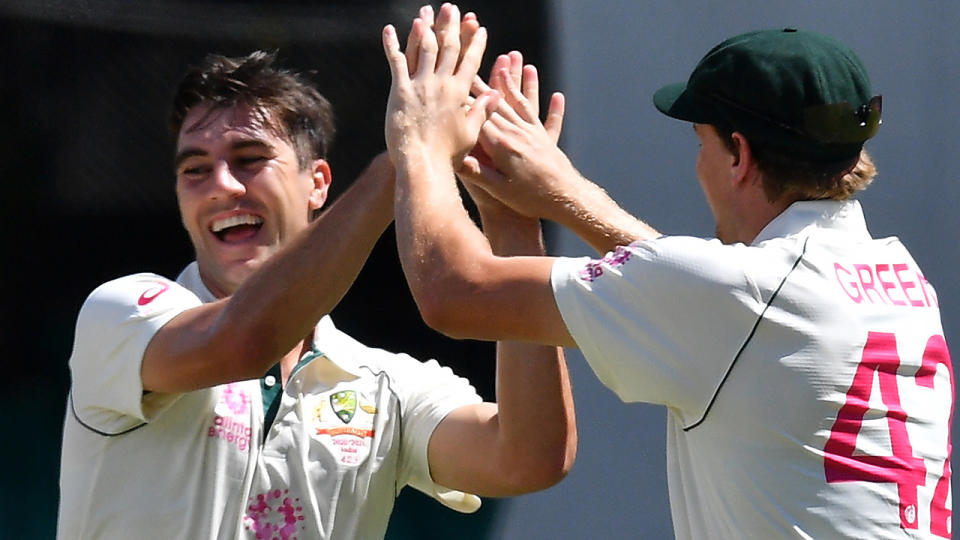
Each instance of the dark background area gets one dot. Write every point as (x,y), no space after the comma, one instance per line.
(86,162)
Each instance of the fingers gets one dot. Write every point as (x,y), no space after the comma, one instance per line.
(428,48)
(447,30)
(554,122)
(500,63)
(470,167)
(423,21)
(530,87)
(396,59)
(475,37)
(479,86)
(514,97)
(469,19)
(480,110)
(426,13)
(516,66)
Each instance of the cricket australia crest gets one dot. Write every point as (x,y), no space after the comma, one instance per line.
(350,444)
(344,405)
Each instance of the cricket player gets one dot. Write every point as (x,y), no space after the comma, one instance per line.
(225,404)
(802,362)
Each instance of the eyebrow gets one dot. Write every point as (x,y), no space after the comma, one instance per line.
(186,154)
(190,152)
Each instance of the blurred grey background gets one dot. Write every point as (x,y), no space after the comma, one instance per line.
(85,160)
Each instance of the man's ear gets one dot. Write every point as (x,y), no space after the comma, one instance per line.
(320,173)
(743,164)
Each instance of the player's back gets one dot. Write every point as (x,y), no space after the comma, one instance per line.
(834,418)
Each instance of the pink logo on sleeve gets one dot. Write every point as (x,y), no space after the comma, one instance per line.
(273,515)
(152,293)
(594,268)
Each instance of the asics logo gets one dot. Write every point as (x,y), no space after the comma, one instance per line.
(152,293)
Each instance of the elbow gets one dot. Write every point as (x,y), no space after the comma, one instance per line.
(544,469)
(562,462)
(440,317)
(445,307)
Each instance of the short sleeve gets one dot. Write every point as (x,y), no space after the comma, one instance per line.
(659,321)
(429,392)
(115,325)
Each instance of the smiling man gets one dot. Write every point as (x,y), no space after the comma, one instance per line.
(225,404)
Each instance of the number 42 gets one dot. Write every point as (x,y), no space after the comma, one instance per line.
(908,472)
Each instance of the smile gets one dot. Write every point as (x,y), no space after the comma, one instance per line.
(236,227)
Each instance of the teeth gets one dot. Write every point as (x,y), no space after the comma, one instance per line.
(233,221)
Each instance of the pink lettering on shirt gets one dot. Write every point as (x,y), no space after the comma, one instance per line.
(884,283)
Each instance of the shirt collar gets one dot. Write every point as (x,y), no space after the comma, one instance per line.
(335,345)
(806,216)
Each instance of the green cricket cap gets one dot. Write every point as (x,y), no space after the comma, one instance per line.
(797,91)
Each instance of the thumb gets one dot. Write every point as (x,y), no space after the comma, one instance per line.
(480,110)
(470,167)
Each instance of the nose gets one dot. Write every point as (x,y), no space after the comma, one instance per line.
(225,184)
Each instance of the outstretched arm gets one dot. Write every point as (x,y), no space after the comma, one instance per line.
(527,440)
(461,288)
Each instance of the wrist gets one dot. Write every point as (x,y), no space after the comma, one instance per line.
(414,160)
(511,237)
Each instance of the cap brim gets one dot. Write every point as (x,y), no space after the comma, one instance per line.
(673,100)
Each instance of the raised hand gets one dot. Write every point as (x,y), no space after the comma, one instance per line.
(430,115)
(517,159)
(500,222)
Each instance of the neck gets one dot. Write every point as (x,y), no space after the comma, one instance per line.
(750,218)
(292,358)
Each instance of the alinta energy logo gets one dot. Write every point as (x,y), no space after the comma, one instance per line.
(274,515)
(231,418)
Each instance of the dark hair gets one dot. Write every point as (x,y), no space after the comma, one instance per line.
(289,104)
(799,179)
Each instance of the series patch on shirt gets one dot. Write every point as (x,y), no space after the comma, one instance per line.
(344,422)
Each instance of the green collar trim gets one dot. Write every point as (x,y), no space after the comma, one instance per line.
(272,394)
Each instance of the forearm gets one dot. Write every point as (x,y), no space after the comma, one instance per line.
(535,403)
(437,241)
(276,307)
(588,211)
(308,277)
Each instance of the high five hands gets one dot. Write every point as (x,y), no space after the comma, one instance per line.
(431,119)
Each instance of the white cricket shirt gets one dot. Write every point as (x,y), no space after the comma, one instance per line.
(808,385)
(350,431)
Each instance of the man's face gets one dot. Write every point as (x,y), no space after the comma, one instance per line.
(714,164)
(241,192)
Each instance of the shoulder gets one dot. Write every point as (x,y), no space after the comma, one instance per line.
(113,309)
(666,259)
(142,292)
(409,378)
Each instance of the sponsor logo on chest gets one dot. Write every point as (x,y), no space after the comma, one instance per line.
(231,417)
